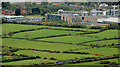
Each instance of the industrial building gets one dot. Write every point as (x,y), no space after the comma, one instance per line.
(95,16)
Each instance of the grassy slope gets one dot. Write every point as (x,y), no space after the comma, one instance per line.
(58,56)
(70,39)
(105,42)
(107,34)
(95,62)
(38,45)
(16,27)
(102,51)
(43,33)
(28,62)
(79,39)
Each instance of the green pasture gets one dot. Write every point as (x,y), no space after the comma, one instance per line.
(28,62)
(6,28)
(102,51)
(46,45)
(95,62)
(17,43)
(104,42)
(106,34)
(71,39)
(58,56)
(43,33)
(85,38)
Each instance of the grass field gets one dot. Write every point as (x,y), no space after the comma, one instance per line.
(16,27)
(44,33)
(102,51)
(96,62)
(39,45)
(70,39)
(61,44)
(6,28)
(80,38)
(28,62)
(58,56)
(105,42)
(107,34)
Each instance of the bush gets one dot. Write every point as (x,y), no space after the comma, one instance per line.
(104,62)
(52,58)
(45,58)
(95,27)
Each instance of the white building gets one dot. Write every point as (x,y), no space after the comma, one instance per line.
(13,18)
(109,20)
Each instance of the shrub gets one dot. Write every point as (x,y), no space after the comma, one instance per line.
(104,62)
(52,58)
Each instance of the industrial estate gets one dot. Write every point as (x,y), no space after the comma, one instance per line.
(60,34)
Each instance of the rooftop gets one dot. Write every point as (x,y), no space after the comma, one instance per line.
(11,16)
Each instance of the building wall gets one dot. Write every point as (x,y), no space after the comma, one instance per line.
(90,19)
(51,17)
(69,18)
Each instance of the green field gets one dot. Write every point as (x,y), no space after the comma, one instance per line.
(28,62)
(104,42)
(63,43)
(96,62)
(16,27)
(39,45)
(102,51)
(44,33)
(6,28)
(85,38)
(58,56)
(70,39)
(107,34)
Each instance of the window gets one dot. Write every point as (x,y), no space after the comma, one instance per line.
(82,18)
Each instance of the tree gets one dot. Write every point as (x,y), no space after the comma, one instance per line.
(34,4)
(4,34)
(28,4)
(52,58)
(17,12)
(45,58)
(5,4)
(35,10)
(92,5)
(44,3)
